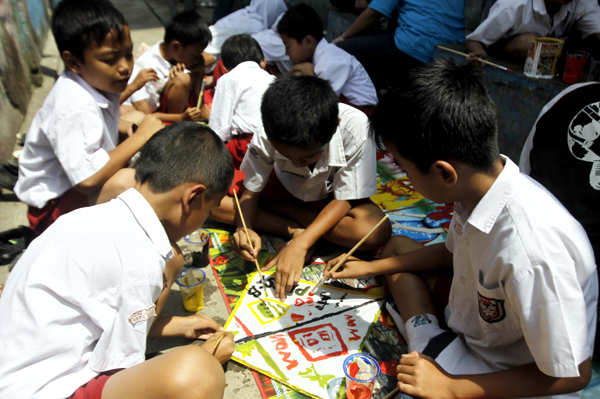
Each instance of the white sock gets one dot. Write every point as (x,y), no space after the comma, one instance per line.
(420,329)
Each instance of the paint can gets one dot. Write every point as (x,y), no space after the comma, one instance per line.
(199,247)
(542,57)
(191,286)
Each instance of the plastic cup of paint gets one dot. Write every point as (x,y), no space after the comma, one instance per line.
(191,286)
(361,372)
(574,65)
(199,247)
(594,74)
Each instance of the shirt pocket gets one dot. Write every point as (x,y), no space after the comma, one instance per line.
(498,321)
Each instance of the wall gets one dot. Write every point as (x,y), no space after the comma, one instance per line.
(23,29)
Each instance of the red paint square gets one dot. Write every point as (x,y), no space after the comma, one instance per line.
(319,342)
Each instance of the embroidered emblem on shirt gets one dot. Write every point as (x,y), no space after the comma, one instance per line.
(458,228)
(142,315)
(491,310)
(253,151)
(421,319)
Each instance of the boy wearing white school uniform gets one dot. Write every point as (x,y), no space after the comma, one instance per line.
(324,167)
(273,48)
(79,305)
(72,149)
(522,303)
(512,24)
(301,31)
(236,105)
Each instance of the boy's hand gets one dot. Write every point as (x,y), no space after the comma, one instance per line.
(351,268)
(290,262)
(241,246)
(191,114)
(199,326)
(145,75)
(150,125)
(475,51)
(176,69)
(421,376)
(223,350)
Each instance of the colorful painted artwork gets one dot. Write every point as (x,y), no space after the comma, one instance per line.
(303,341)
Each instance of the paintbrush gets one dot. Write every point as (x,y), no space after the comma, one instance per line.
(391,394)
(217,343)
(201,92)
(333,269)
(237,202)
(479,59)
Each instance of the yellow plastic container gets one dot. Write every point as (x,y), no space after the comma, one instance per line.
(191,286)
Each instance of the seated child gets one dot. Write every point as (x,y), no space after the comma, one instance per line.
(512,24)
(301,30)
(235,113)
(174,96)
(81,302)
(72,148)
(324,173)
(522,304)
(274,50)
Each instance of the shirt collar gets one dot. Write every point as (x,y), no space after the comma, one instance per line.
(111,103)
(494,201)
(148,221)
(320,49)
(248,65)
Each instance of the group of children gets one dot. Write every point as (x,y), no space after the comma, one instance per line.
(519,289)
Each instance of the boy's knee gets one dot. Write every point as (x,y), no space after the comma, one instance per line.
(181,81)
(195,374)
(398,245)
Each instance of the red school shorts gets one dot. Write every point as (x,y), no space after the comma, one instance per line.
(41,219)
(92,389)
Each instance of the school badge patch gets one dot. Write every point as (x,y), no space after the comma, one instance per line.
(491,310)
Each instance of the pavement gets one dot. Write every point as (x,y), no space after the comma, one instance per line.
(146,20)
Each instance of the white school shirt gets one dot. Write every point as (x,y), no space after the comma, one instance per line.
(151,92)
(345,73)
(80,301)
(525,286)
(273,48)
(347,170)
(68,141)
(236,105)
(258,16)
(508,18)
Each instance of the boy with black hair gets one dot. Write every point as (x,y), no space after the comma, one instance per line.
(81,302)
(235,113)
(324,173)
(522,304)
(72,152)
(301,30)
(173,97)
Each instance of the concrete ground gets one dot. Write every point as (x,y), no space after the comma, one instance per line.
(146,19)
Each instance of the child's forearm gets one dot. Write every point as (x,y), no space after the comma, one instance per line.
(248,204)
(326,220)
(171,118)
(433,257)
(520,382)
(129,90)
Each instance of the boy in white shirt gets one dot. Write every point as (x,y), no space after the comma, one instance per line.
(72,149)
(301,30)
(522,304)
(78,307)
(512,24)
(173,97)
(324,173)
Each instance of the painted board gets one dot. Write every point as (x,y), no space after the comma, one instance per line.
(303,341)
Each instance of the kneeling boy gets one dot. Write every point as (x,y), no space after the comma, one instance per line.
(79,305)
(522,303)
(325,172)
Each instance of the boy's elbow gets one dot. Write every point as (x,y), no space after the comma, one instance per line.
(585,376)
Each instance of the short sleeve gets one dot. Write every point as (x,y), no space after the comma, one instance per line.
(358,179)
(552,309)
(76,139)
(336,69)
(589,22)
(258,162)
(500,21)
(385,7)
